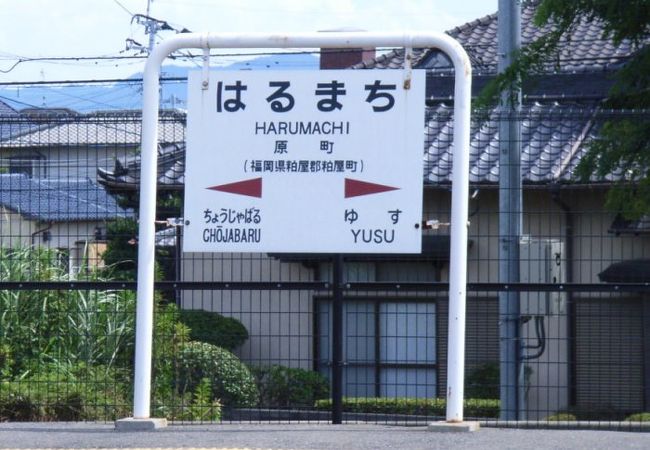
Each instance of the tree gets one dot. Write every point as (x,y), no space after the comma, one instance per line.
(121,255)
(623,143)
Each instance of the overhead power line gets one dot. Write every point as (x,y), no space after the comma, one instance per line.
(90,81)
(123,7)
(18,102)
(191,56)
(186,55)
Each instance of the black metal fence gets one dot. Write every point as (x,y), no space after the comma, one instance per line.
(275,337)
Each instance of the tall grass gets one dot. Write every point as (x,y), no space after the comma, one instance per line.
(67,354)
(64,328)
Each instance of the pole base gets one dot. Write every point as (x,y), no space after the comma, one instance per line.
(453,427)
(133,424)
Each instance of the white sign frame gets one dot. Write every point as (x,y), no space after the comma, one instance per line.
(460,183)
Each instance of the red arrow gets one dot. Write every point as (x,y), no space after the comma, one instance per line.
(356,188)
(252,188)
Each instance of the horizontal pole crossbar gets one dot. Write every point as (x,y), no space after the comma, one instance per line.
(319,286)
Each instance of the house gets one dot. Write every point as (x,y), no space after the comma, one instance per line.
(52,153)
(12,123)
(125,173)
(64,144)
(583,349)
(69,215)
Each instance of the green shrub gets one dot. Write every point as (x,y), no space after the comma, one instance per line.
(215,329)
(6,361)
(483,408)
(561,417)
(638,417)
(66,393)
(596,411)
(483,381)
(169,337)
(121,255)
(18,408)
(203,406)
(232,382)
(69,408)
(281,386)
(199,405)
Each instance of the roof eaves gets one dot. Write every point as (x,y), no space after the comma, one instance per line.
(369,64)
(485,20)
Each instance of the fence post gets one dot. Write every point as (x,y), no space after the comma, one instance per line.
(337,339)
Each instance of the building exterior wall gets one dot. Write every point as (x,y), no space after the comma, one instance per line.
(287,337)
(14,230)
(69,162)
(78,238)
(280,323)
(594,247)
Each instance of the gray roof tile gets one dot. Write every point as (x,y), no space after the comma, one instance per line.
(94,129)
(553,138)
(58,200)
(126,173)
(584,50)
(12,123)
(6,110)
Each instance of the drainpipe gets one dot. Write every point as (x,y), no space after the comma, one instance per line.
(571,307)
(43,230)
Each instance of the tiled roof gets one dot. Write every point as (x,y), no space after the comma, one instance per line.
(6,110)
(94,130)
(584,50)
(58,200)
(553,139)
(11,122)
(126,172)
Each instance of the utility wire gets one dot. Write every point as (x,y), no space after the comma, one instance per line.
(135,81)
(239,54)
(89,99)
(12,67)
(18,101)
(141,57)
(123,7)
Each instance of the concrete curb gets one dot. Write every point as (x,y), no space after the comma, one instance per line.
(131,424)
(451,427)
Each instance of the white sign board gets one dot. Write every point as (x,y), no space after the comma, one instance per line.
(304,161)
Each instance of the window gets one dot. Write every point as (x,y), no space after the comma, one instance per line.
(389,347)
(32,166)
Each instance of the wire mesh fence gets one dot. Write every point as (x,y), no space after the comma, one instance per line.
(319,337)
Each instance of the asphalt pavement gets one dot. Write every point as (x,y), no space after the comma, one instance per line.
(307,436)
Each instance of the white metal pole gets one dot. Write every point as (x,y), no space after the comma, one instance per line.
(146,242)
(148,178)
(458,252)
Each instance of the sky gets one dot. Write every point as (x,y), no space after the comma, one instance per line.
(31,29)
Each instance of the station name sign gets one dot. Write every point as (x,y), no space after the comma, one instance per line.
(304,162)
